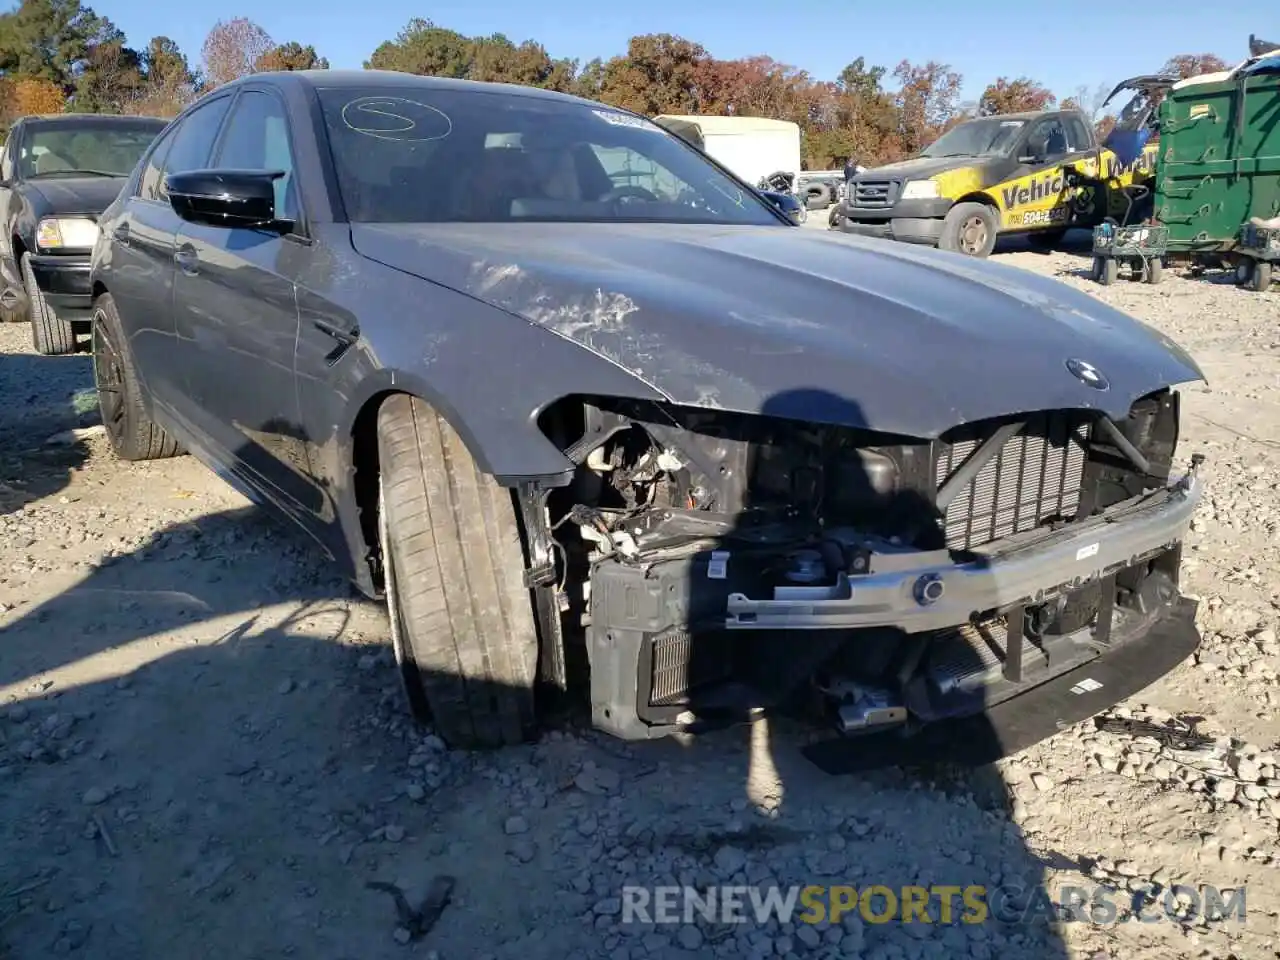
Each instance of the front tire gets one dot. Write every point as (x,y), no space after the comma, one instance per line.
(51,335)
(133,434)
(462,618)
(970,229)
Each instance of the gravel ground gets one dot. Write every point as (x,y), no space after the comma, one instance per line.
(202,754)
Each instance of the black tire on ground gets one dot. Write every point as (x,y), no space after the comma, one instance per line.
(463,622)
(1260,279)
(1155,270)
(970,229)
(1244,270)
(1105,270)
(1046,239)
(133,435)
(818,196)
(834,217)
(51,335)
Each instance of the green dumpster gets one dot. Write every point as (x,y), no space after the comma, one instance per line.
(1218,164)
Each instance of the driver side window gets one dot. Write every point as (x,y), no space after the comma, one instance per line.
(1049,139)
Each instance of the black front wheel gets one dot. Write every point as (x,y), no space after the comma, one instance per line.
(51,335)
(462,618)
(133,434)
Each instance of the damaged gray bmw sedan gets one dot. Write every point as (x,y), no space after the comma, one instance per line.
(608,432)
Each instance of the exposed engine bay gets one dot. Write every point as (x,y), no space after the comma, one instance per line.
(704,566)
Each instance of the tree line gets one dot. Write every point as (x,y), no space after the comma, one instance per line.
(60,55)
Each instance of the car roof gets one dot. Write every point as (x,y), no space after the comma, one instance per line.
(384,79)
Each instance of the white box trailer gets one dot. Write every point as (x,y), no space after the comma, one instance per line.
(752,147)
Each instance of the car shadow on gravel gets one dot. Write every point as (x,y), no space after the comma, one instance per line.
(192,764)
(45,401)
(174,737)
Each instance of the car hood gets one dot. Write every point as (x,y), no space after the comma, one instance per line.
(77,194)
(922,168)
(816,326)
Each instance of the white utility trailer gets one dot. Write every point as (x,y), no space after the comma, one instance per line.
(751,147)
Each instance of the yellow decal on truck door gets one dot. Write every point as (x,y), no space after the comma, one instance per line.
(1039,200)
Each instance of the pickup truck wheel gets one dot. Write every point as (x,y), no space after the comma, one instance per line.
(462,618)
(50,334)
(970,229)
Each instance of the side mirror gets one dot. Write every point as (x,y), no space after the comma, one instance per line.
(226,198)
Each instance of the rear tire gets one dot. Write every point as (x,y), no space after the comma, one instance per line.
(970,229)
(1105,270)
(462,617)
(133,434)
(1155,270)
(51,335)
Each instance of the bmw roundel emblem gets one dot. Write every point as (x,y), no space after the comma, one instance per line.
(1088,374)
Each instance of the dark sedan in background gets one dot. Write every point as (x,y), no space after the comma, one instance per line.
(605,428)
(57,174)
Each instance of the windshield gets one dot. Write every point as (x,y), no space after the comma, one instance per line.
(977,138)
(433,155)
(85,147)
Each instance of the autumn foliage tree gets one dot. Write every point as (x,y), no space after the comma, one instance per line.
(233,49)
(1014,96)
(291,56)
(1186,65)
(37,96)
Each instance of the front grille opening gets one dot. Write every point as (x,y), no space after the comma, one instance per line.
(679,670)
(875,193)
(1036,478)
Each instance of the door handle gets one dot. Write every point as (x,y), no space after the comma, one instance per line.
(187,259)
(344,337)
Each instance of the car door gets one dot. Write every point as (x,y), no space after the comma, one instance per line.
(10,278)
(142,248)
(1039,198)
(237,318)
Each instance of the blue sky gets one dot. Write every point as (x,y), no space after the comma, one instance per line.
(1061,46)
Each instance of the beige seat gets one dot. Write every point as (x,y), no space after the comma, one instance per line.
(51,162)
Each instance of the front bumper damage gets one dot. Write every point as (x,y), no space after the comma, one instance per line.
(925,591)
(965,637)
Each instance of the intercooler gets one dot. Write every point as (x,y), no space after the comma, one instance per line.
(1036,477)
